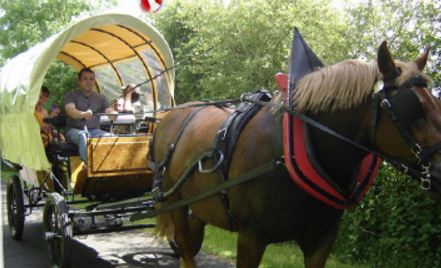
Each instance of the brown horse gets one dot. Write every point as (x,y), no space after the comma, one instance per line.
(271,208)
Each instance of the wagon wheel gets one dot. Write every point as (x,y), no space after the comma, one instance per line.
(15,206)
(58,229)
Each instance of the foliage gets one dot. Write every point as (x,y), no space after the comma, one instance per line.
(230,49)
(395,226)
(60,79)
(25,23)
(408,26)
(233,48)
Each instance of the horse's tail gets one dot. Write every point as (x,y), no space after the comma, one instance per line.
(164,226)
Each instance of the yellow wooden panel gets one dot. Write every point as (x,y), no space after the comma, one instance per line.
(78,174)
(116,156)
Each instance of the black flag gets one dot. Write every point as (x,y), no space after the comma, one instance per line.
(302,61)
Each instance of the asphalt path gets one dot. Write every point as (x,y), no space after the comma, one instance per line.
(123,249)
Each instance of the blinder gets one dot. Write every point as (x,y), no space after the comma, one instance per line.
(407,107)
(403,109)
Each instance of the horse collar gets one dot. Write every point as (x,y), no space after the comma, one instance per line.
(306,172)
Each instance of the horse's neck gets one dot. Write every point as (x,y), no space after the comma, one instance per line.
(338,158)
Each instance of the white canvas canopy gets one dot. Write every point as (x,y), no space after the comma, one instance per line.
(120,48)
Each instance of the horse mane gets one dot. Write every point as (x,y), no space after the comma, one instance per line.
(340,86)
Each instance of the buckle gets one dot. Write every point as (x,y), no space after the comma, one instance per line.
(385,103)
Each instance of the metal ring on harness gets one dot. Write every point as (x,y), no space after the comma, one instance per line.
(425,182)
(210,156)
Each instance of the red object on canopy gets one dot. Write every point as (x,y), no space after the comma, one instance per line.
(151,5)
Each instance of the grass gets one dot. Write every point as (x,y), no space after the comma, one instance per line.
(223,243)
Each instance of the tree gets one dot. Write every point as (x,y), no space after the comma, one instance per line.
(408,26)
(25,23)
(236,48)
(232,48)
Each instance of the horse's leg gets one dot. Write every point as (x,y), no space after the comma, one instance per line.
(318,257)
(196,233)
(250,249)
(188,236)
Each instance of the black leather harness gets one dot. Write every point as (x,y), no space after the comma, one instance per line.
(221,152)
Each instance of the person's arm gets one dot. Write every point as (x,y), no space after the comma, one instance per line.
(114,113)
(109,110)
(72,112)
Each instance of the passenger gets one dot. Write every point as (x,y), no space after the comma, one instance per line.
(83,108)
(129,96)
(46,130)
(55,111)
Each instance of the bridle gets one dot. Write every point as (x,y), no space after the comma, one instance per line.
(403,109)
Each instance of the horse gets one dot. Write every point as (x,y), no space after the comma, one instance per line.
(271,208)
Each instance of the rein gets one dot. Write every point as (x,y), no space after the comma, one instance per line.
(423,175)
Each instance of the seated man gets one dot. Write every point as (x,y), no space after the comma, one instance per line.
(83,108)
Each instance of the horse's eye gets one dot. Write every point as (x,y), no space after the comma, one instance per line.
(398,71)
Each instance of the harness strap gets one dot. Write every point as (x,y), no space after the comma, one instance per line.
(242,178)
(161,167)
(226,139)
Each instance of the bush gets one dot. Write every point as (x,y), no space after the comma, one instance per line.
(396,225)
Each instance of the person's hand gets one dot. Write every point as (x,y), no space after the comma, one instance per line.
(87,114)
(46,128)
(113,115)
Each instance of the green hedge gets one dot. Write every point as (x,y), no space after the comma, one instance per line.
(396,225)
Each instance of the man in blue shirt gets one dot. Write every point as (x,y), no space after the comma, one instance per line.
(83,108)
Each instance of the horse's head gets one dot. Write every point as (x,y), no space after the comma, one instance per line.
(407,119)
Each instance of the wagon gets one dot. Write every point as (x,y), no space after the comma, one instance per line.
(120,49)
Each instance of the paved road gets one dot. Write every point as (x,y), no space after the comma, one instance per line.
(125,249)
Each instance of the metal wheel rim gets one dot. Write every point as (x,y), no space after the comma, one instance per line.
(15,207)
(56,223)
(12,210)
(55,242)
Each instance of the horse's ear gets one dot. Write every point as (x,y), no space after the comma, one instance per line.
(385,62)
(422,59)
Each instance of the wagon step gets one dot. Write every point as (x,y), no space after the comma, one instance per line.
(113,229)
(128,202)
